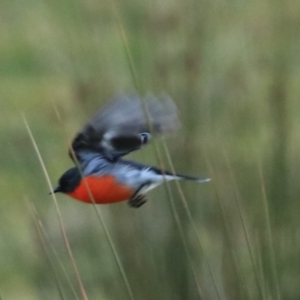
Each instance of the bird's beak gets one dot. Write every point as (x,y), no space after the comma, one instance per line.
(56,190)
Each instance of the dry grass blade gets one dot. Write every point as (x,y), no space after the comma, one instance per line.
(184,241)
(47,244)
(269,233)
(260,268)
(173,209)
(244,226)
(37,223)
(100,217)
(188,212)
(178,221)
(111,244)
(125,43)
(236,266)
(64,234)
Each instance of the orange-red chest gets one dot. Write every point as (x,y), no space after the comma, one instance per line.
(104,190)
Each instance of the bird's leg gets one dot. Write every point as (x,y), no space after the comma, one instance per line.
(137,200)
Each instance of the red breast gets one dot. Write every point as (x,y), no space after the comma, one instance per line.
(104,190)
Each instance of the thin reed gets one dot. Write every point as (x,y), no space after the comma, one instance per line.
(232,68)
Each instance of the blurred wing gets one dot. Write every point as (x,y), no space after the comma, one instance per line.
(125,124)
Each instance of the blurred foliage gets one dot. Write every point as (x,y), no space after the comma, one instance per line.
(233,69)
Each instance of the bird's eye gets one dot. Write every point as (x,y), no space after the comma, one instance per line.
(145,137)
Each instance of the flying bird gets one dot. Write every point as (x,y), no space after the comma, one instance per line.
(125,124)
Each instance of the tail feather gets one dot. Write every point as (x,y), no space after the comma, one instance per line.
(193,178)
(178,176)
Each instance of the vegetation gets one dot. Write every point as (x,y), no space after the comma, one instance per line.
(233,69)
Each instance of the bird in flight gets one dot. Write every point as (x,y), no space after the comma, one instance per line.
(125,124)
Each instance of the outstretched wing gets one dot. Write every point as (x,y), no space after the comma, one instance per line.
(124,125)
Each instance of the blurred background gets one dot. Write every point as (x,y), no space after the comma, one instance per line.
(233,68)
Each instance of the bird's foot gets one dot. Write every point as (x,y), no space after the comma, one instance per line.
(137,201)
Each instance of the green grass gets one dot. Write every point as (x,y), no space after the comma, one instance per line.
(233,70)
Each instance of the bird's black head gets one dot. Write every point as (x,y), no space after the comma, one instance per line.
(68,181)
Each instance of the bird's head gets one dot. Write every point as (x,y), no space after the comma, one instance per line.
(68,181)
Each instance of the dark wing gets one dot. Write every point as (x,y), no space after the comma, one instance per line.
(124,125)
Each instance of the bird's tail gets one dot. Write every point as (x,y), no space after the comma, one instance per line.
(177,176)
(188,177)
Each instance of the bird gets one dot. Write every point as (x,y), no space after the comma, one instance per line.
(125,124)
